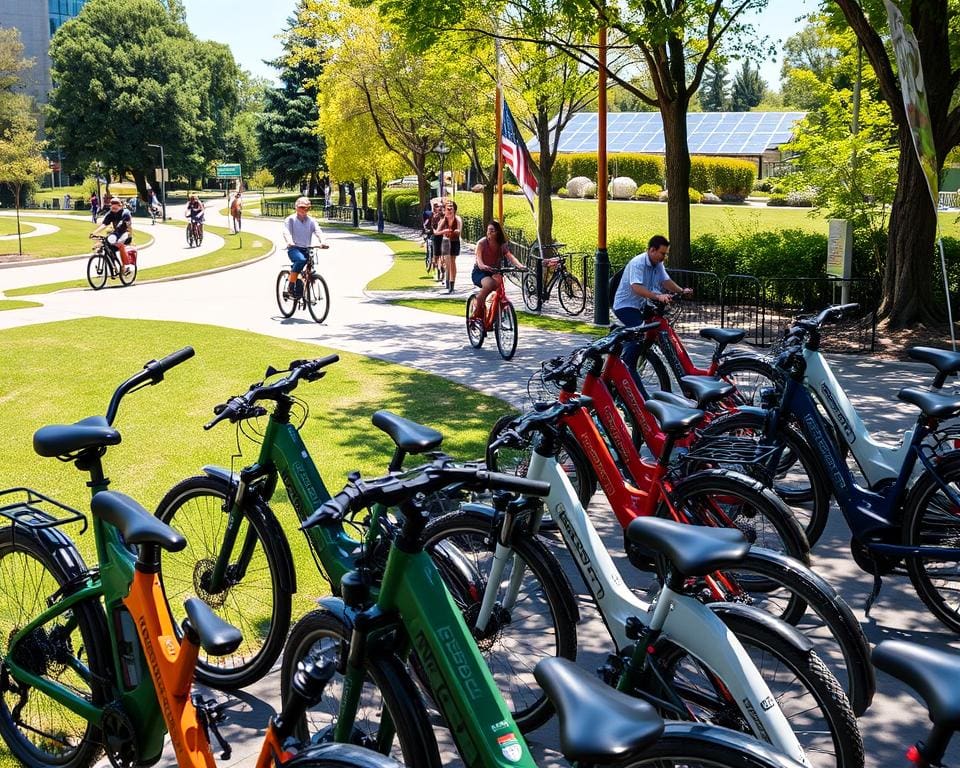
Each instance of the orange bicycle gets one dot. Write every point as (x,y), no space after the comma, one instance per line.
(90,659)
(499,317)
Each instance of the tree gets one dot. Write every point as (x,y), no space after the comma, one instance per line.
(713,92)
(12,65)
(909,279)
(748,89)
(21,159)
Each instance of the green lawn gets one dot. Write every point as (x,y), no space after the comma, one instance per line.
(17,304)
(8,226)
(408,272)
(70,239)
(235,250)
(457,308)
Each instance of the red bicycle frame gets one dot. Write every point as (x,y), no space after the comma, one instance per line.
(666,338)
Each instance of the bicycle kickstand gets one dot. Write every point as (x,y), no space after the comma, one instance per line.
(209,715)
(874,593)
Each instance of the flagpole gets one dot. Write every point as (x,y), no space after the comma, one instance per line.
(499,125)
(601,265)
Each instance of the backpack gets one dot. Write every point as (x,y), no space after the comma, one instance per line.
(613,285)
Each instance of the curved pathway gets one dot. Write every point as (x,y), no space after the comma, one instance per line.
(38,229)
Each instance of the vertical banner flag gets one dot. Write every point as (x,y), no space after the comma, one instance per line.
(515,154)
(907,53)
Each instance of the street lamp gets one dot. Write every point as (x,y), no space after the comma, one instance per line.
(442,151)
(163,181)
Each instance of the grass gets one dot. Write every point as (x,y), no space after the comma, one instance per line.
(8,226)
(407,272)
(163,439)
(235,250)
(17,304)
(70,239)
(456,308)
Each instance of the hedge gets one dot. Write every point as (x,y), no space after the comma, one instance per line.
(726,177)
(643,169)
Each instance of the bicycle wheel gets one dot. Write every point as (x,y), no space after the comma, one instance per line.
(572,459)
(505,330)
(428,256)
(931,519)
(257,601)
(695,745)
(573,299)
(97,271)
(529,290)
(539,623)
(128,273)
(809,696)
(198,237)
(190,236)
(71,651)
(475,328)
(749,375)
(287,305)
(386,689)
(317,298)
(339,756)
(653,372)
(798,480)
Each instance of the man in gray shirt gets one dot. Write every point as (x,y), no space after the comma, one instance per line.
(298,231)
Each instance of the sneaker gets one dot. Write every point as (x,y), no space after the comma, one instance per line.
(287,296)
(127,270)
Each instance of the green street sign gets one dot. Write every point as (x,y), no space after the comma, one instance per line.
(228,171)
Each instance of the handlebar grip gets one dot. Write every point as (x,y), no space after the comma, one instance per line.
(159,367)
(497,481)
(350,499)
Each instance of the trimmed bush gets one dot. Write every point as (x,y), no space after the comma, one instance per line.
(695,197)
(644,169)
(511,189)
(582,164)
(622,188)
(727,178)
(777,200)
(562,192)
(648,192)
(576,186)
(763,185)
(590,191)
(801,198)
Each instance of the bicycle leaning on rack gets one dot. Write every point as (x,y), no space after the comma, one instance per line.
(570,292)
(499,316)
(309,292)
(105,263)
(90,660)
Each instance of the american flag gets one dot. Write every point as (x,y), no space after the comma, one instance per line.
(515,154)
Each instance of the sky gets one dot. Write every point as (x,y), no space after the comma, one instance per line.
(249,28)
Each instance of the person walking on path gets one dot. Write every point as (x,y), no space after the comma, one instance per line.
(94,207)
(299,229)
(449,229)
(236,210)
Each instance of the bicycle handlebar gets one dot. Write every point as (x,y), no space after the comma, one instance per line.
(537,421)
(151,374)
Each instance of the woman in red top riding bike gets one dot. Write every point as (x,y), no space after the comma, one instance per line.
(491,251)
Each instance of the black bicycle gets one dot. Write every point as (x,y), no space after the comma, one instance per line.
(105,263)
(194,233)
(309,291)
(552,268)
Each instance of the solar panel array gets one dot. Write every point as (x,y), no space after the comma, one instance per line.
(709,133)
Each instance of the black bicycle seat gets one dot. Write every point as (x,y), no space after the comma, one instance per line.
(943,360)
(136,524)
(217,637)
(411,437)
(934,404)
(65,439)
(598,724)
(705,390)
(723,336)
(932,673)
(672,398)
(674,420)
(693,550)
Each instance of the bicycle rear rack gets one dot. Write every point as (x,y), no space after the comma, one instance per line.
(36,511)
(726,450)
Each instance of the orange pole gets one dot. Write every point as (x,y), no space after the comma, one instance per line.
(601,269)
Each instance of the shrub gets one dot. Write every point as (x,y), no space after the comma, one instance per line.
(590,191)
(562,192)
(776,200)
(511,189)
(728,178)
(622,188)
(695,197)
(644,169)
(763,185)
(801,198)
(648,192)
(576,186)
(582,164)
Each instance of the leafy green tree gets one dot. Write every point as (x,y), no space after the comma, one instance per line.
(13,103)
(748,89)
(713,92)
(21,159)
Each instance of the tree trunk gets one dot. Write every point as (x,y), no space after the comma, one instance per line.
(140,179)
(911,281)
(544,200)
(674,114)
(364,191)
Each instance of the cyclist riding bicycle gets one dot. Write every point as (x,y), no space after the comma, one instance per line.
(194,211)
(492,250)
(122,234)
(298,231)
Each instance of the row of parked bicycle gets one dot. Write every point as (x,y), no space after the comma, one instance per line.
(446,594)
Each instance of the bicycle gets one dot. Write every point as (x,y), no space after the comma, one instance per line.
(105,263)
(570,291)
(309,291)
(499,316)
(155,213)
(194,233)
(90,658)
(893,522)
(414,612)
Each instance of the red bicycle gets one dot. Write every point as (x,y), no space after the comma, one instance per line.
(499,316)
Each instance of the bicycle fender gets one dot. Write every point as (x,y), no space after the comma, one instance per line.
(221,473)
(787,633)
(58,544)
(336,607)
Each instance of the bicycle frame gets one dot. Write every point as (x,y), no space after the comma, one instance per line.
(499,297)
(673,349)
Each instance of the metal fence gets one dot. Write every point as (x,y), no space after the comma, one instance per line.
(283,208)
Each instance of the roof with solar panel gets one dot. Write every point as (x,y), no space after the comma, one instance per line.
(710,133)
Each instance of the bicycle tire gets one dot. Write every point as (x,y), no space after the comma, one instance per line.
(190,238)
(749,375)
(697,745)
(128,277)
(572,297)
(505,330)
(831,736)
(287,306)
(653,373)
(30,573)
(528,288)
(799,479)
(476,330)
(929,518)
(195,507)
(388,685)
(97,271)
(199,235)
(545,613)
(515,461)
(339,756)
(317,298)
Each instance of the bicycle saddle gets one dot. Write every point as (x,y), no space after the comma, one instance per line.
(692,550)
(411,437)
(723,336)
(943,360)
(933,674)
(598,724)
(136,524)
(674,420)
(704,389)
(63,439)
(672,398)
(216,637)
(934,404)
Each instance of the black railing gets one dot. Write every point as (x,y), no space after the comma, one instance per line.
(283,208)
